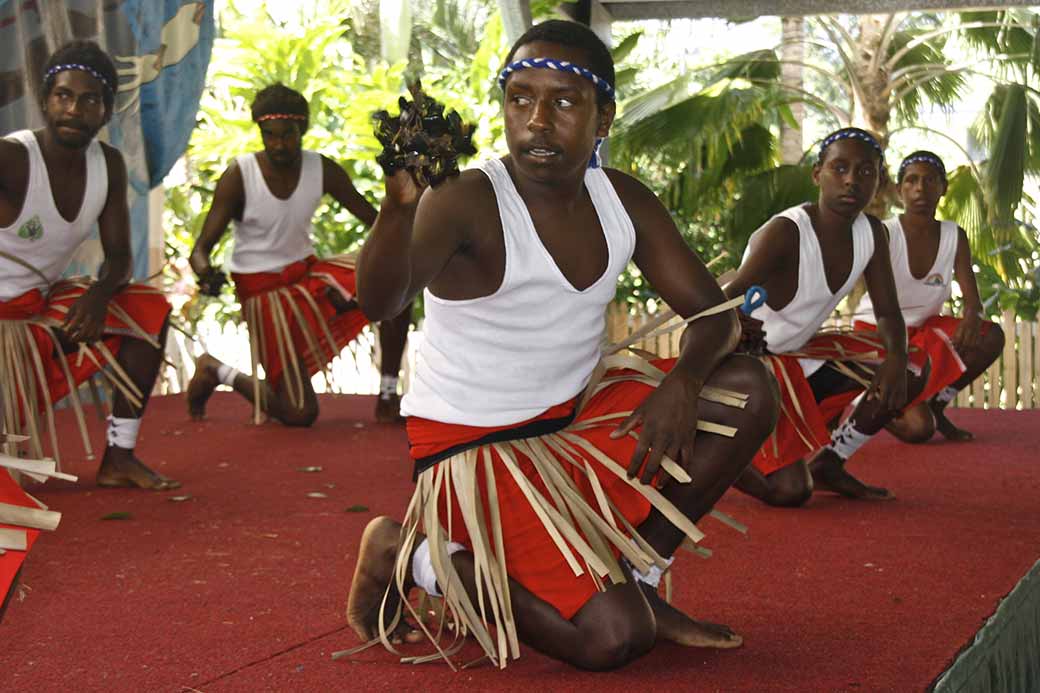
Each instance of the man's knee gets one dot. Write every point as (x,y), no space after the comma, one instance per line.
(790,487)
(303,417)
(610,648)
(750,376)
(916,425)
(994,339)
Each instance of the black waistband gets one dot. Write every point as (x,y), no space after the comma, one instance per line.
(540,427)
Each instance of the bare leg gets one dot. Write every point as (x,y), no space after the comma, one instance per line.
(719,462)
(787,487)
(619,624)
(393,336)
(119,466)
(914,425)
(276,402)
(828,468)
(612,629)
(976,361)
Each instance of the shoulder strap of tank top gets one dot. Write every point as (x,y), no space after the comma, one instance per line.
(97,170)
(896,236)
(311,173)
(948,241)
(37,166)
(511,207)
(609,208)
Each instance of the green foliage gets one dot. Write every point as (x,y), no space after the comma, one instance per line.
(328,55)
(706,141)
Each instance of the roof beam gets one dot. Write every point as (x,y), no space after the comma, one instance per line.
(621,10)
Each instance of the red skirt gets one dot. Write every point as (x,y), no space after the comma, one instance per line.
(933,339)
(290,316)
(532,558)
(802,429)
(34,373)
(135,311)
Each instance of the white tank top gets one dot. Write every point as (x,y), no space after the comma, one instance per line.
(919,299)
(40,236)
(790,328)
(273,232)
(506,357)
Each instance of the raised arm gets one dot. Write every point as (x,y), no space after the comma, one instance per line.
(338,184)
(228,202)
(969,331)
(86,318)
(413,238)
(890,380)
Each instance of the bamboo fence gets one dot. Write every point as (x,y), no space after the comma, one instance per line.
(1012,382)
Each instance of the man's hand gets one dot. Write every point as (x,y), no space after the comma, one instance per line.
(968,334)
(752,336)
(212,281)
(85,320)
(669,420)
(402,190)
(889,386)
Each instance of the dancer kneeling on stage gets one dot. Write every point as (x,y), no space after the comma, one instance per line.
(300,310)
(56,183)
(540,476)
(927,254)
(808,258)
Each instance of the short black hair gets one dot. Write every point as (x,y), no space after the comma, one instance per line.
(573,35)
(90,55)
(922,156)
(280,99)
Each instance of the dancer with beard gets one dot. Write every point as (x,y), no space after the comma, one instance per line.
(56,183)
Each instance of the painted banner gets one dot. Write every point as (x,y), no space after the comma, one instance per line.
(161,49)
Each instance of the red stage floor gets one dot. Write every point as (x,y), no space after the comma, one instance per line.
(242,587)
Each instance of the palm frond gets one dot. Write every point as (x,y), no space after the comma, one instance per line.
(763,195)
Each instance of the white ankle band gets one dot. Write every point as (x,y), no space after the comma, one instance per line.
(226,375)
(946,395)
(388,386)
(846,440)
(122,433)
(654,574)
(422,566)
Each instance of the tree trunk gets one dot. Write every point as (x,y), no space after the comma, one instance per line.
(873,106)
(792,51)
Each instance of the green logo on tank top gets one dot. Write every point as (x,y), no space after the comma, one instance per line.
(31,230)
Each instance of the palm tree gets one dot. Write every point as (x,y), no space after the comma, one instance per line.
(875,71)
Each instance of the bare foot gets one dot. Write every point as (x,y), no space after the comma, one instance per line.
(829,474)
(373,577)
(388,409)
(947,427)
(202,385)
(675,626)
(120,469)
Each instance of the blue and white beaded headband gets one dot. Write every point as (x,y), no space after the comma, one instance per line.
(78,66)
(930,159)
(850,134)
(553,64)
